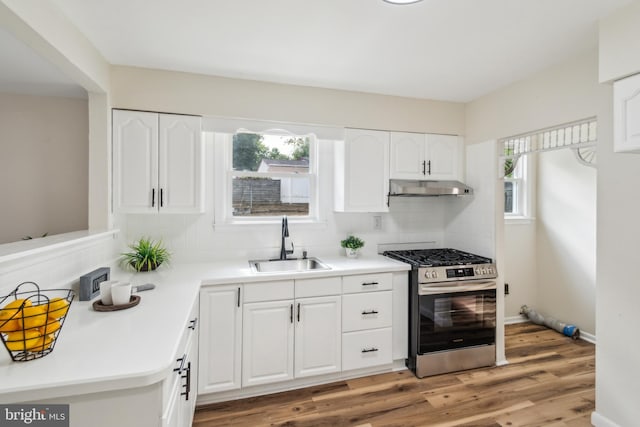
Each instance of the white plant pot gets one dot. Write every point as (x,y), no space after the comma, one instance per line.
(352,253)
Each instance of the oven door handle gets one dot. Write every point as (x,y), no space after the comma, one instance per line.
(465,286)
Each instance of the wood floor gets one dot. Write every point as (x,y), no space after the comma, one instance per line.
(549,382)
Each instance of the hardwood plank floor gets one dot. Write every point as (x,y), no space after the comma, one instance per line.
(549,381)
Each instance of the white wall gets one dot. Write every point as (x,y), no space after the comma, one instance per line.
(43,165)
(520,267)
(566,92)
(566,239)
(193,237)
(156,90)
(412,220)
(617,291)
(619,47)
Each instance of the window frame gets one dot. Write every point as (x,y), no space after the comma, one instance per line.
(522,189)
(224,174)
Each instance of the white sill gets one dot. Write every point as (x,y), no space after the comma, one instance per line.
(518,220)
(268,223)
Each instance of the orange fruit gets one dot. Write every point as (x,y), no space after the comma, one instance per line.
(10,325)
(42,343)
(51,326)
(58,308)
(11,309)
(22,340)
(33,317)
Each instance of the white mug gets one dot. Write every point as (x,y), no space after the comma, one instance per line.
(121,293)
(105,291)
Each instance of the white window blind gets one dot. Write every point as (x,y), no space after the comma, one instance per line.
(581,133)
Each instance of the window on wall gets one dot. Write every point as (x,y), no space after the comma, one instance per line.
(270,175)
(515,188)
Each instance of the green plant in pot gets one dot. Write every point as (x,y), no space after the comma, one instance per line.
(352,245)
(145,255)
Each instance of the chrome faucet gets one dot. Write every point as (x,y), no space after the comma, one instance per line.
(285,233)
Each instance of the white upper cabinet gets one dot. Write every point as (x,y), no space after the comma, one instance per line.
(408,153)
(425,157)
(158,162)
(626,114)
(362,171)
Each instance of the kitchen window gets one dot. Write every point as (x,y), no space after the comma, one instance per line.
(267,175)
(515,187)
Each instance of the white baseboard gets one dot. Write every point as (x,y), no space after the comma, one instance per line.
(588,337)
(599,420)
(512,320)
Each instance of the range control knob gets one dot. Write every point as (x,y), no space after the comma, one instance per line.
(427,274)
(434,274)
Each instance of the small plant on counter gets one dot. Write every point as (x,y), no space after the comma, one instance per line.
(352,245)
(145,255)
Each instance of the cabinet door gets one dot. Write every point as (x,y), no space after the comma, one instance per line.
(220,339)
(408,156)
(267,342)
(626,114)
(135,168)
(444,157)
(189,377)
(318,337)
(362,171)
(180,164)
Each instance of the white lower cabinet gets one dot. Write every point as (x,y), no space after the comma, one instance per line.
(363,349)
(367,319)
(263,333)
(180,390)
(291,338)
(220,338)
(317,337)
(267,342)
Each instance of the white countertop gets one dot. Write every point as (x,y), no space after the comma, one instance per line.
(100,351)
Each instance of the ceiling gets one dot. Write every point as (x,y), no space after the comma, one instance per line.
(455,50)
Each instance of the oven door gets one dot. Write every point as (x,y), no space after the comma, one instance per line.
(456,315)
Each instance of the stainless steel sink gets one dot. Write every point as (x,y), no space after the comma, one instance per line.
(287,265)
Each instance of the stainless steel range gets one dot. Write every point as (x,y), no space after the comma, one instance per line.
(452,310)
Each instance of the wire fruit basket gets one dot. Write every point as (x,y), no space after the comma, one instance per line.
(31,320)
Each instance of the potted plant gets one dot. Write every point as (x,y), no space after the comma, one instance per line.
(352,245)
(145,255)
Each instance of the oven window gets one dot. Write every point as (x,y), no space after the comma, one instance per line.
(457,320)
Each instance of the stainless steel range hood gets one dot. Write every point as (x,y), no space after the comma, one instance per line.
(428,188)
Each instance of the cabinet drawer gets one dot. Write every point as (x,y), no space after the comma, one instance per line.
(268,291)
(324,286)
(366,348)
(366,311)
(366,283)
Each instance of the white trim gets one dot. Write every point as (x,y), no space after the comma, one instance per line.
(232,125)
(512,320)
(599,420)
(518,220)
(586,336)
(28,248)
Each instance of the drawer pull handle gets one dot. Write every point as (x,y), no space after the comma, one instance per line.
(370,283)
(369,350)
(181,362)
(457,340)
(364,313)
(192,324)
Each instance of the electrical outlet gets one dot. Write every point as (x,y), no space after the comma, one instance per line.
(377,222)
(506,289)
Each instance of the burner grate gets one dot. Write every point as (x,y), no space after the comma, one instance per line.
(437,257)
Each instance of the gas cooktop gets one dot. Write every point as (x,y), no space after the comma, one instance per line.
(437,257)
